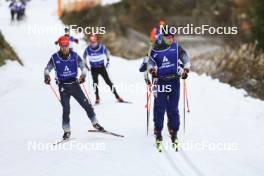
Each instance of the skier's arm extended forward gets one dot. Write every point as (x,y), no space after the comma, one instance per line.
(107,53)
(81,65)
(49,67)
(184,58)
(47,70)
(184,63)
(85,61)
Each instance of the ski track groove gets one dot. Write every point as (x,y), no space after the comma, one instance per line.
(172,163)
(186,161)
(191,165)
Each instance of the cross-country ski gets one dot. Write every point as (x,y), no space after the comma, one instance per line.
(106,132)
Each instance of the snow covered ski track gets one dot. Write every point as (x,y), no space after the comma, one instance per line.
(29,112)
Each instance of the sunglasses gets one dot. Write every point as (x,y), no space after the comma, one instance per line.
(64,46)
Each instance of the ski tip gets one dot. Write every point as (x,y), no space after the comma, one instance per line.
(107,132)
(127,102)
(62,141)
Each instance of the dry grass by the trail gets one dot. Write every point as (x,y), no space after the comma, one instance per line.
(6,51)
(242,67)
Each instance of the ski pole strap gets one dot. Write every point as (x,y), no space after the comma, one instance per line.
(54,92)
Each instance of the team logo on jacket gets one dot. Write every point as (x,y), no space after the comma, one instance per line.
(165,59)
(66,69)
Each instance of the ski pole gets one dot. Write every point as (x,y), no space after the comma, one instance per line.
(147,108)
(148,104)
(186,94)
(54,92)
(86,92)
(185,103)
(184,106)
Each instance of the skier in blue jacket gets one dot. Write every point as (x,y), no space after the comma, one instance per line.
(66,63)
(13,9)
(168,62)
(97,54)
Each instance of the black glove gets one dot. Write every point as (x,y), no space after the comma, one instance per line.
(81,79)
(153,72)
(47,79)
(76,41)
(186,70)
(184,74)
(148,82)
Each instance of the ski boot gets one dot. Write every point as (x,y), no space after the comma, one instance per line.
(174,140)
(98,127)
(66,135)
(158,140)
(120,100)
(97,101)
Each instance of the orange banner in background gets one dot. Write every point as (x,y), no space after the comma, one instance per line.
(75,5)
(59,11)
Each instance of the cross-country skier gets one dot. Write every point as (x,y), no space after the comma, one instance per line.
(13,7)
(20,8)
(168,63)
(23,8)
(71,38)
(155,35)
(66,64)
(97,54)
(155,32)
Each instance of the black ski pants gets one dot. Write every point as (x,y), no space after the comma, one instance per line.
(73,89)
(103,72)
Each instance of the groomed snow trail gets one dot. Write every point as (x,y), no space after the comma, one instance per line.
(30,113)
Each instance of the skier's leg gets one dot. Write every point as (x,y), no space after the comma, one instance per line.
(108,81)
(78,94)
(18,15)
(12,14)
(65,102)
(172,107)
(159,109)
(95,82)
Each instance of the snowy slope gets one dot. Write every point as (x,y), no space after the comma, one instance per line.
(108,2)
(30,112)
